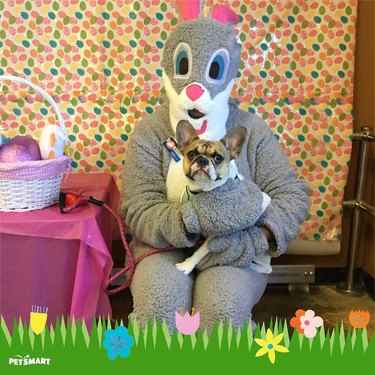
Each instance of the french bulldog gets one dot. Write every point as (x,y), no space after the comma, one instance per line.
(207,165)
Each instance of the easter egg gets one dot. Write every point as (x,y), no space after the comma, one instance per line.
(20,149)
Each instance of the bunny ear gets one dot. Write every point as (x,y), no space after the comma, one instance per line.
(224,14)
(189,9)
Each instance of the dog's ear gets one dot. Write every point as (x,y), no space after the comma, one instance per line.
(234,141)
(185,134)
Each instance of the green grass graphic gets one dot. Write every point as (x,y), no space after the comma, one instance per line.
(72,345)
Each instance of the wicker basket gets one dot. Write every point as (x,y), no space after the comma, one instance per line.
(32,185)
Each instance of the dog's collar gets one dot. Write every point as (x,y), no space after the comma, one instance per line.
(194,192)
(188,195)
(218,178)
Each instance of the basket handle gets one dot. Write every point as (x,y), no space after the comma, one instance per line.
(41,91)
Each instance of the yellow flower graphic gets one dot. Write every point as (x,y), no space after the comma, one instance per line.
(270,346)
(38,318)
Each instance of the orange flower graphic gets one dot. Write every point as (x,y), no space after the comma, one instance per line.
(295,322)
(359,319)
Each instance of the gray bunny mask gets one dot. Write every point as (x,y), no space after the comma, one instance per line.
(200,63)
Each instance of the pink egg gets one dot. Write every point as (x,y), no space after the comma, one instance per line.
(19,149)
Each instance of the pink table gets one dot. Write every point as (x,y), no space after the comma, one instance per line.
(56,260)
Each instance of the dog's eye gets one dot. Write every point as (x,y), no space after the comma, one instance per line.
(191,155)
(218,159)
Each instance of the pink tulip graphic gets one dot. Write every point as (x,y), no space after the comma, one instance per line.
(187,324)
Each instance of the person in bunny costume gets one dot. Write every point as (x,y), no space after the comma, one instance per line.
(200,63)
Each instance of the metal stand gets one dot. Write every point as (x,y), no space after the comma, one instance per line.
(299,292)
(358,205)
(298,278)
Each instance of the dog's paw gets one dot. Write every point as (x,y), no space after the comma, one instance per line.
(185,266)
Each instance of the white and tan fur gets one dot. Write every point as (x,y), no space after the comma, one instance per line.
(207,165)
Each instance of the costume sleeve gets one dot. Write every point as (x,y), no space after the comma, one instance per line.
(158,222)
(288,208)
(237,249)
(231,207)
(289,200)
(150,216)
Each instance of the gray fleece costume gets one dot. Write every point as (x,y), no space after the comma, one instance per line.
(225,286)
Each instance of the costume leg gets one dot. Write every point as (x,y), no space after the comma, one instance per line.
(159,288)
(226,293)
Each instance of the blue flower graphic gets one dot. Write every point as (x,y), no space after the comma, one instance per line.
(118,342)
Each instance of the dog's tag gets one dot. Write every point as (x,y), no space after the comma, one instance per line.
(171,146)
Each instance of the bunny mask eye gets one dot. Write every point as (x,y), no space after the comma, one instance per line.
(217,67)
(182,61)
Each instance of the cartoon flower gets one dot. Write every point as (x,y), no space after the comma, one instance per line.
(118,342)
(270,346)
(187,324)
(359,319)
(309,323)
(295,322)
(306,322)
(38,318)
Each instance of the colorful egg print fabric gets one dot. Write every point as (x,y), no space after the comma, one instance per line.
(100,61)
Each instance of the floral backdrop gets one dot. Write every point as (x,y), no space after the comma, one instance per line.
(100,61)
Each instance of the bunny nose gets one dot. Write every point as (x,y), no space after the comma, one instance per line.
(194,92)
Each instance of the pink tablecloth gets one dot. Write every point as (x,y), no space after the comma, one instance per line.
(56,260)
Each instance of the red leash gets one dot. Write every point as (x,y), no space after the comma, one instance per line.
(70,201)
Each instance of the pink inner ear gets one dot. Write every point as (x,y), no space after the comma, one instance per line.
(224,14)
(189,9)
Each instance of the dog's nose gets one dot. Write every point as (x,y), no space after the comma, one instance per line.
(194,92)
(201,161)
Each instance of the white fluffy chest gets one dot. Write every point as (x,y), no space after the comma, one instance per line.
(176,181)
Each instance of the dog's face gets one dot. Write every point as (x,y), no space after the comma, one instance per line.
(206,163)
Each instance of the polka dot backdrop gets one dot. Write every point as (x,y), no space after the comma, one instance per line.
(100,60)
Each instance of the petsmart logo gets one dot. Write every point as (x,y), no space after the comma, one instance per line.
(18,360)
